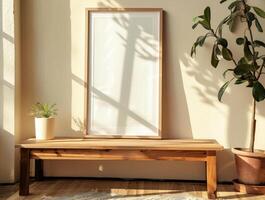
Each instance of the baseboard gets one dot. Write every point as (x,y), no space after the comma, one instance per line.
(132,179)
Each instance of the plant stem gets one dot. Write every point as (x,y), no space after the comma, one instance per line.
(253,120)
(260,72)
(251,37)
(234,61)
(253,127)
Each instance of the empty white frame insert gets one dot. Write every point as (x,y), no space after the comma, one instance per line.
(124,73)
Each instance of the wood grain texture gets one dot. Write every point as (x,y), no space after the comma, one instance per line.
(24,172)
(60,154)
(60,187)
(124,144)
(125,9)
(161,62)
(120,149)
(86,77)
(249,189)
(38,169)
(211,174)
(87,69)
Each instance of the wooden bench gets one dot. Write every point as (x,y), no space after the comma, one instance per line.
(117,149)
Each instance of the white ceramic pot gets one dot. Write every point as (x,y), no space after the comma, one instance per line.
(44,128)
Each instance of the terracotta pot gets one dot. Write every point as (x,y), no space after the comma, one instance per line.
(44,128)
(250,166)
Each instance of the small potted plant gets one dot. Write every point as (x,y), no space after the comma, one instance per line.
(246,70)
(44,120)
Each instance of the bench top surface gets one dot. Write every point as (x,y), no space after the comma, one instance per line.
(134,144)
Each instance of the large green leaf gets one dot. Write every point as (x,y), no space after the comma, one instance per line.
(222,42)
(205,24)
(243,61)
(259,27)
(195,25)
(242,69)
(214,59)
(240,41)
(222,1)
(201,40)
(227,54)
(247,51)
(222,90)
(207,14)
(193,49)
(259,43)
(259,12)
(258,91)
(250,16)
(233,5)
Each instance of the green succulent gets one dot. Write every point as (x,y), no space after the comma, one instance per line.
(44,110)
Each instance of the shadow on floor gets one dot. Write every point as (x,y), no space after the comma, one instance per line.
(116,188)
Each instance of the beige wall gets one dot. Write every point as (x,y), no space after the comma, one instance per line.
(53,43)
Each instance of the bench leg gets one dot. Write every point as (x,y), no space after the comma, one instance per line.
(24,171)
(211,175)
(39,169)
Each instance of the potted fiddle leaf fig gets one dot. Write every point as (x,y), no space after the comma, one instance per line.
(44,120)
(246,71)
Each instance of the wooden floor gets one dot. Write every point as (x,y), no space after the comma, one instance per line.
(59,187)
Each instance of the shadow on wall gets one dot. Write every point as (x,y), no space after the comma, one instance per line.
(169,114)
(176,116)
(208,80)
(46,61)
(43,59)
(237,101)
(47,69)
(7,98)
(54,79)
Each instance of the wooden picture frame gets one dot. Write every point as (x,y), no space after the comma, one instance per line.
(95,99)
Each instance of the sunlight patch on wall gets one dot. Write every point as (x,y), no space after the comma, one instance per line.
(7,20)
(8,56)
(201,89)
(8,109)
(110,3)
(7,92)
(8,62)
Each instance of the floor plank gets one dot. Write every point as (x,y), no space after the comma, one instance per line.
(123,188)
